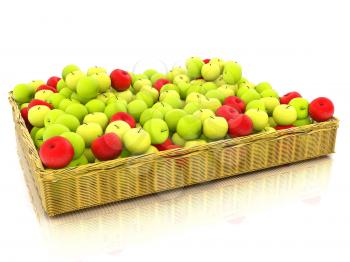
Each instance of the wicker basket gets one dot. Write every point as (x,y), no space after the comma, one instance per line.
(74,188)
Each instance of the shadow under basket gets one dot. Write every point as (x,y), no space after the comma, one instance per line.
(75,188)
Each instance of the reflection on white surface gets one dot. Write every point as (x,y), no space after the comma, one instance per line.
(115,227)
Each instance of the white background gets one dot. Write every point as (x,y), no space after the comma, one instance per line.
(295,45)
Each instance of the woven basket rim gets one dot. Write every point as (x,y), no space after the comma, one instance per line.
(88,169)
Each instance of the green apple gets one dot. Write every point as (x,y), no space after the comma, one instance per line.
(69,121)
(136,77)
(105,97)
(215,127)
(66,92)
(269,93)
(150,113)
(118,127)
(256,104)
(284,115)
(198,82)
(97,117)
(151,150)
(103,81)
(78,99)
(192,107)
(216,93)
(301,105)
(209,86)
(189,127)
(64,104)
(175,72)
(113,108)
(38,139)
(68,69)
(145,97)
(194,66)
(24,105)
(172,117)
(211,103)
(194,88)
(51,116)
(89,132)
(227,90)
(82,160)
(272,122)
(54,130)
(127,95)
(262,87)
(150,72)
(168,87)
(182,78)
(60,85)
(77,110)
(259,118)
(194,97)
(36,83)
(96,70)
(125,153)
(73,78)
(172,98)
(270,104)
(140,83)
(34,131)
(137,141)
(193,143)
(242,89)
(218,61)
(43,95)
(89,155)
(157,129)
(155,77)
(87,87)
(302,122)
(220,81)
(250,95)
(203,114)
(211,71)
(232,72)
(268,129)
(95,105)
(162,107)
(37,114)
(23,93)
(55,99)
(178,140)
(136,107)
(150,91)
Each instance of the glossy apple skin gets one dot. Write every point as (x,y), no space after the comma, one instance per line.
(227,112)
(124,117)
(160,83)
(107,147)
(241,125)
(288,97)
(163,146)
(24,114)
(283,127)
(321,109)
(52,81)
(235,102)
(38,102)
(120,80)
(56,152)
(46,87)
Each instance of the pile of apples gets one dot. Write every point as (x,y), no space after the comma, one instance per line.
(87,117)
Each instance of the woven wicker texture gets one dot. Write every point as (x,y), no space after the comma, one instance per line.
(74,188)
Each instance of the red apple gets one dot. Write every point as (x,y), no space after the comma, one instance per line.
(52,81)
(283,127)
(288,97)
(47,87)
(124,117)
(206,61)
(121,80)
(227,112)
(321,109)
(56,152)
(38,102)
(159,83)
(24,114)
(241,125)
(235,102)
(107,147)
(164,145)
